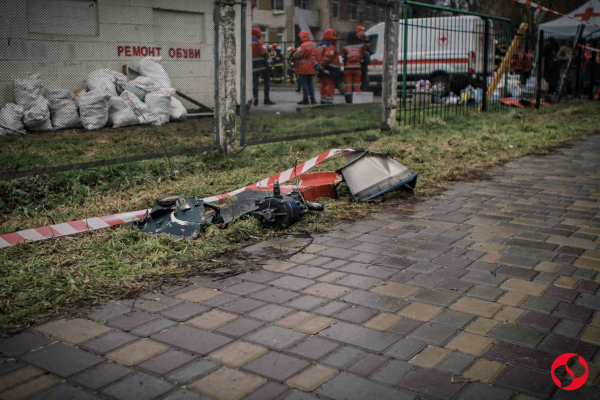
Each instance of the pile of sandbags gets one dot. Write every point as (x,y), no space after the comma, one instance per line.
(110,99)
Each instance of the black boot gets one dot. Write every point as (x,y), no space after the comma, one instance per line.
(303,102)
(268,102)
(348,99)
(255,102)
(313,101)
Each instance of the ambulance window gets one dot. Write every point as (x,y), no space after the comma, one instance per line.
(373,40)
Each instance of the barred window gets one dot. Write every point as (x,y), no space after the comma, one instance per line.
(335,8)
(353,10)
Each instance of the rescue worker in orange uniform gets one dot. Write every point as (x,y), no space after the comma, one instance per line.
(329,61)
(364,70)
(353,58)
(260,66)
(305,57)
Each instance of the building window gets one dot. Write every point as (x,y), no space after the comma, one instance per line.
(367,12)
(277,5)
(281,36)
(304,4)
(264,29)
(353,10)
(335,8)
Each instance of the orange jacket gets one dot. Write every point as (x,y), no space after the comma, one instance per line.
(327,54)
(305,56)
(259,51)
(353,52)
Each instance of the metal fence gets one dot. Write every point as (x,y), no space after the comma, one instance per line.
(69,72)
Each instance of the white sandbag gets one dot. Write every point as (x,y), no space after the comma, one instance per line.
(141,110)
(37,117)
(106,81)
(178,111)
(141,86)
(93,109)
(28,90)
(63,110)
(120,114)
(159,103)
(11,119)
(150,67)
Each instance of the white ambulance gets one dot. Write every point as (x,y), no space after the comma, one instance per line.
(447,51)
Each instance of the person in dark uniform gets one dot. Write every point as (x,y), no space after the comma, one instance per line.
(278,63)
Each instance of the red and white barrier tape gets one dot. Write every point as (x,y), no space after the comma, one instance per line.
(534,5)
(91,224)
(590,48)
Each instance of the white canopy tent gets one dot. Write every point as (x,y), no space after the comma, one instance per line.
(589,12)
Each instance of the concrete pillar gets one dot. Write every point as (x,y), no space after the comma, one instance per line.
(389,101)
(226,78)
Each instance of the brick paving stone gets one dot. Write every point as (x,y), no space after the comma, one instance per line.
(108,311)
(566,295)
(346,386)
(183,394)
(274,295)
(314,325)
(406,348)
(276,337)
(237,354)
(335,264)
(453,318)
(330,308)
(591,335)
(382,322)
(220,300)
(192,339)
(343,357)
(64,392)
(327,290)
(568,328)
(154,302)
(314,348)
(431,383)
(7,365)
(485,293)
(519,261)
(239,327)
(22,343)
(484,371)
(482,266)
(167,362)
(546,266)
(430,357)
(517,334)
(403,276)
(470,344)
(481,326)
(104,374)
(435,297)
(589,301)
(478,391)
(62,360)
(228,384)
(374,300)
(358,281)
(306,271)
(269,391)
(332,277)
(517,272)
(199,295)
(260,276)
(433,333)
(242,306)
(369,270)
(454,286)
(451,272)
(528,381)
(512,298)
(212,320)
(19,377)
(153,327)
(30,388)
(137,352)
(73,331)
(109,342)
(270,312)
(509,314)
(450,261)
(210,282)
(478,307)
(244,288)
(367,364)
(301,258)
(541,322)
(276,366)
(426,281)
(277,265)
(420,311)
(127,322)
(566,282)
(395,289)
(193,371)
(509,353)
(584,274)
(312,378)
(361,337)
(392,373)
(294,319)
(455,363)
(560,344)
(405,326)
(306,302)
(318,261)
(585,392)
(184,311)
(337,253)
(539,304)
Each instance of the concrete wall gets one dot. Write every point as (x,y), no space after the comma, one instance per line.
(64,40)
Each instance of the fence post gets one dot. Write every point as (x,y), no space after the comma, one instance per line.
(578,84)
(508,43)
(216,72)
(486,52)
(226,90)
(389,93)
(404,55)
(244,49)
(540,70)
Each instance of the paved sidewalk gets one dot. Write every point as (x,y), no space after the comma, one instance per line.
(470,295)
